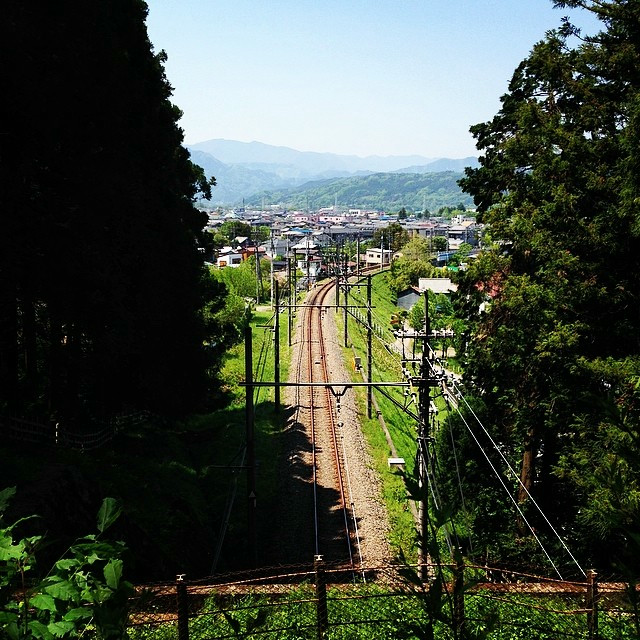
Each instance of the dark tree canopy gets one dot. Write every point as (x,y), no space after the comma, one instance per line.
(101,281)
(556,352)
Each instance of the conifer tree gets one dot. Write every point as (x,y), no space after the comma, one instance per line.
(101,279)
(557,348)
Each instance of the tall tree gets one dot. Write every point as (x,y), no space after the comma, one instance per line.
(102,288)
(557,186)
(393,236)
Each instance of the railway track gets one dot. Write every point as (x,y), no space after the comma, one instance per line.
(334,530)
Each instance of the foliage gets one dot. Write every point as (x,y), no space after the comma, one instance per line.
(416,316)
(440,243)
(229,230)
(363,611)
(225,315)
(413,264)
(83,589)
(241,281)
(553,303)
(393,236)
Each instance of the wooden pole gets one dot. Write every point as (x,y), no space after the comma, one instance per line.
(592,605)
(321,597)
(459,622)
(183,607)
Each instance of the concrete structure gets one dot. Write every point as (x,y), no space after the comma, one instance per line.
(437,285)
(375,256)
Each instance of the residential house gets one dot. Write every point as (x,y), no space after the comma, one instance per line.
(376,256)
(408,297)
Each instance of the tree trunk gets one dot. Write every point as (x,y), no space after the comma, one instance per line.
(29,348)
(8,346)
(527,473)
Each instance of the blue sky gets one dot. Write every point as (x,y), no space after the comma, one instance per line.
(361,77)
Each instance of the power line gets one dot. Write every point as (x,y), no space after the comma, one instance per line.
(461,396)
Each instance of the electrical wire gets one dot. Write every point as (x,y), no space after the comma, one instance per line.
(504,486)
(511,469)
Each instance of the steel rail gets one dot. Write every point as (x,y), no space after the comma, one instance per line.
(307,344)
(313,319)
(332,430)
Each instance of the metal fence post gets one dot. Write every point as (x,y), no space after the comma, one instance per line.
(592,604)
(183,607)
(321,597)
(459,622)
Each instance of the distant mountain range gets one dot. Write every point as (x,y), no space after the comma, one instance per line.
(245,169)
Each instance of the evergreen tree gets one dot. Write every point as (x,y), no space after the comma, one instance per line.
(102,283)
(558,187)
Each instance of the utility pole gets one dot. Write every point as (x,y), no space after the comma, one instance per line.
(346,311)
(424,444)
(337,268)
(258,278)
(251,454)
(276,349)
(369,347)
(291,296)
(272,258)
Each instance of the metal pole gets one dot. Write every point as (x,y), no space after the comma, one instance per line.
(321,597)
(276,347)
(183,607)
(258,279)
(272,259)
(289,280)
(346,312)
(337,268)
(369,349)
(251,455)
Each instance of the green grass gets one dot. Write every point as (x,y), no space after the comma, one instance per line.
(231,424)
(174,480)
(366,611)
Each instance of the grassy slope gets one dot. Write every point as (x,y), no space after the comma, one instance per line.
(172,478)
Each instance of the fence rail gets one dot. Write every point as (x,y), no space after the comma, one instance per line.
(55,433)
(322,603)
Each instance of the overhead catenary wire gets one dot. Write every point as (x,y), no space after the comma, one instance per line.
(513,472)
(459,394)
(435,362)
(504,486)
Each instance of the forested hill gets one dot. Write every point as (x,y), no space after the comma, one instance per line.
(384,191)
